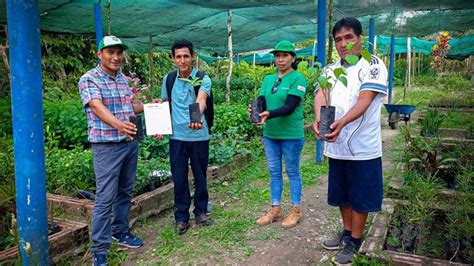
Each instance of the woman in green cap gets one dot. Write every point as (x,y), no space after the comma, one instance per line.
(281,99)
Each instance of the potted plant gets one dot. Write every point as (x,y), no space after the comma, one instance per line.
(141,94)
(194,112)
(328,79)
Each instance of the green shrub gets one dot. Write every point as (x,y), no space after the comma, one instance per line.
(6,116)
(6,157)
(223,150)
(431,123)
(399,72)
(233,119)
(68,121)
(454,83)
(453,102)
(456,119)
(236,96)
(152,148)
(145,174)
(69,170)
(424,80)
(139,66)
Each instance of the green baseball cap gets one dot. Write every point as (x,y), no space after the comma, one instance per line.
(110,40)
(284,46)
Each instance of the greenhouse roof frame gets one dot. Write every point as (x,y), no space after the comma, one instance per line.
(257,24)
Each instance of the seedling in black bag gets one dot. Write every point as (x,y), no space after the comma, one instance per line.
(194,113)
(255,112)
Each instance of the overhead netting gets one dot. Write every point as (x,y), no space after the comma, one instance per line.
(256,24)
(460,47)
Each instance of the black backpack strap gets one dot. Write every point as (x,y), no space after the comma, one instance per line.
(170,79)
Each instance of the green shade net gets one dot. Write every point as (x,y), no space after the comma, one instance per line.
(460,47)
(256,24)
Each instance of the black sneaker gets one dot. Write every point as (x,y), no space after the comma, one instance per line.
(345,256)
(182,227)
(338,242)
(203,220)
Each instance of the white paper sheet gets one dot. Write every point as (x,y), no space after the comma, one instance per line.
(157,119)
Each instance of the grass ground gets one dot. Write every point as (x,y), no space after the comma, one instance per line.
(236,204)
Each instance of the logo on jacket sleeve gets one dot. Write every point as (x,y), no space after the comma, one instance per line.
(374,73)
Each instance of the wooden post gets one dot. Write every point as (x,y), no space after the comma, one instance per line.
(375,43)
(420,62)
(408,78)
(197,61)
(229,34)
(414,63)
(472,69)
(330,25)
(150,58)
(3,53)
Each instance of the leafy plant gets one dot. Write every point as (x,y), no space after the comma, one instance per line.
(138,65)
(424,155)
(65,59)
(440,50)
(431,123)
(152,148)
(328,78)
(233,118)
(69,170)
(310,73)
(194,82)
(6,116)
(68,121)
(223,150)
(148,172)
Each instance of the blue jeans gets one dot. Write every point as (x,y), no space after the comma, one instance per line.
(181,152)
(115,167)
(290,150)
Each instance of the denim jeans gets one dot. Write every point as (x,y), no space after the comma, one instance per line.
(290,150)
(115,167)
(181,152)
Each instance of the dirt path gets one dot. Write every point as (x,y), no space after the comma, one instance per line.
(302,244)
(270,245)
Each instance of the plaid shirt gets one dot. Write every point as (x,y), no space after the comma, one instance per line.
(114,93)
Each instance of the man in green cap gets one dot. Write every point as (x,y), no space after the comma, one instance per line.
(107,101)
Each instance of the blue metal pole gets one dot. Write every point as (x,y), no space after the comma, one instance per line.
(238,59)
(322,60)
(28,135)
(371,35)
(98,22)
(391,68)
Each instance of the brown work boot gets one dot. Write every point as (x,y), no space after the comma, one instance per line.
(271,216)
(293,218)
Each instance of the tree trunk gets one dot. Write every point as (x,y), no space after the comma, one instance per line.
(330,39)
(229,33)
(472,69)
(3,53)
(150,58)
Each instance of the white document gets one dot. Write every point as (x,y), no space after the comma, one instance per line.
(157,119)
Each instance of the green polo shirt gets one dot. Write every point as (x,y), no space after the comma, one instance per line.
(292,125)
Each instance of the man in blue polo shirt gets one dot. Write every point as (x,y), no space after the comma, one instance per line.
(190,141)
